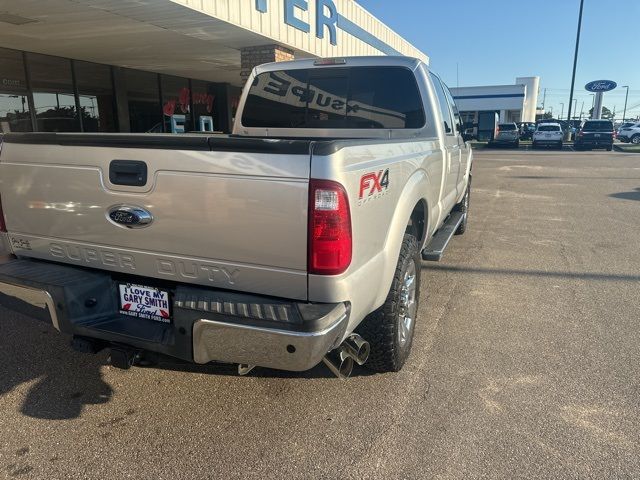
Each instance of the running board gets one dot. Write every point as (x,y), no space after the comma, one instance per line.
(438,244)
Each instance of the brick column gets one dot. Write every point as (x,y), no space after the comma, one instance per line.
(254,56)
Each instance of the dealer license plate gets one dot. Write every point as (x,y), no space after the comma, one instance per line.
(145,302)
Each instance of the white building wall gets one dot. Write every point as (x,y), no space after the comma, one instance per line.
(495,97)
(243,13)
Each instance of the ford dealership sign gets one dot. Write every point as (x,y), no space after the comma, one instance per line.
(598,86)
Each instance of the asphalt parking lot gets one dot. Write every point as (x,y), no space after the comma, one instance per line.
(526,363)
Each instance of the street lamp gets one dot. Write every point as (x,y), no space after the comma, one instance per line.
(562,111)
(625,102)
(575,60)
(575,106)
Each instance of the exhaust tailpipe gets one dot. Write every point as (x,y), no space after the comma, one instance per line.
(357,348)
(339,362)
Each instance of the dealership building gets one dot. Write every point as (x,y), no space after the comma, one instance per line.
(513,103)
(162,65)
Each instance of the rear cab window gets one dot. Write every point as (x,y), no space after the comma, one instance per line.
(445,111)
(335,98)
(507,127)
(598,126)
(548,128)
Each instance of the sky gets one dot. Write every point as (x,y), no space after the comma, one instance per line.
(494,41)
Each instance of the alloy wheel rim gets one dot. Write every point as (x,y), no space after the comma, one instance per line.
(407,305)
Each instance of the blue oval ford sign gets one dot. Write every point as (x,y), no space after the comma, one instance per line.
(600,86)
(130,217)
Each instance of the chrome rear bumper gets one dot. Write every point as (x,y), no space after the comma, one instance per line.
(266,347)
(207,325)
(33,296)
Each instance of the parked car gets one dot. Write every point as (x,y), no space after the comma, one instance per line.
(548,134)
(629,132)
(508,134)
(624,125)
(526,130)
(595,134)
(296,240)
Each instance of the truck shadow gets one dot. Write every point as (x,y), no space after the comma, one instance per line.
(61,381)
(635,195)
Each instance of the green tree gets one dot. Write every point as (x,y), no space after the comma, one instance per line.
(606,113)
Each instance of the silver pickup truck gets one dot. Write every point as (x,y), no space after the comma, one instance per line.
(296,239)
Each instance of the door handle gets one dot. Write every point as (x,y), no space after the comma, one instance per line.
(131,173)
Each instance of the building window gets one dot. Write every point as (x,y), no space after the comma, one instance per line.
(203,99)
(143,96)
(176,104)
(14,104)
(53,97)
(95,97)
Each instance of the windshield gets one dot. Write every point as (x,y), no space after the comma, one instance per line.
(507,127)
(355,97)
(548,128)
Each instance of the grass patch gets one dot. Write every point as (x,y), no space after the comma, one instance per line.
(627,148)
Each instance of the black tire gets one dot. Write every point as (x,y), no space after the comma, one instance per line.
(609,148)
(382,328)
(635,139)
(463,207)
(534,146)
(560,146)
(516,145)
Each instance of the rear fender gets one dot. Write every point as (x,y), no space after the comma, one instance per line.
(412,194)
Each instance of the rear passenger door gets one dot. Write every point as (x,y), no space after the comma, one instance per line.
(451,146)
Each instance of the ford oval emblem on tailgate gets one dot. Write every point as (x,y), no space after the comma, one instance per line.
(129,216)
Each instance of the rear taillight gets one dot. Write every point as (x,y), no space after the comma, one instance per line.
(330,241)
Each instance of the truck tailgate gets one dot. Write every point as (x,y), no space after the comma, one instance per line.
(226,212)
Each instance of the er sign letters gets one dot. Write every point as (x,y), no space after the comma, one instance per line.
(326,16)
(600,86)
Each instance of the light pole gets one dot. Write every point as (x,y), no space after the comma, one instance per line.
(562,111)
(581,111)
(575,61)
(575,107)
(626,97)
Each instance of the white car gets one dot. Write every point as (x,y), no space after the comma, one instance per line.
(630,133)
(548,134)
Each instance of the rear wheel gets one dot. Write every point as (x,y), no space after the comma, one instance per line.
(389,330)
(534,145)
(636,139)
(609,148)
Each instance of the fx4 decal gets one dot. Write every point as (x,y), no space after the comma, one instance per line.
(373,185)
